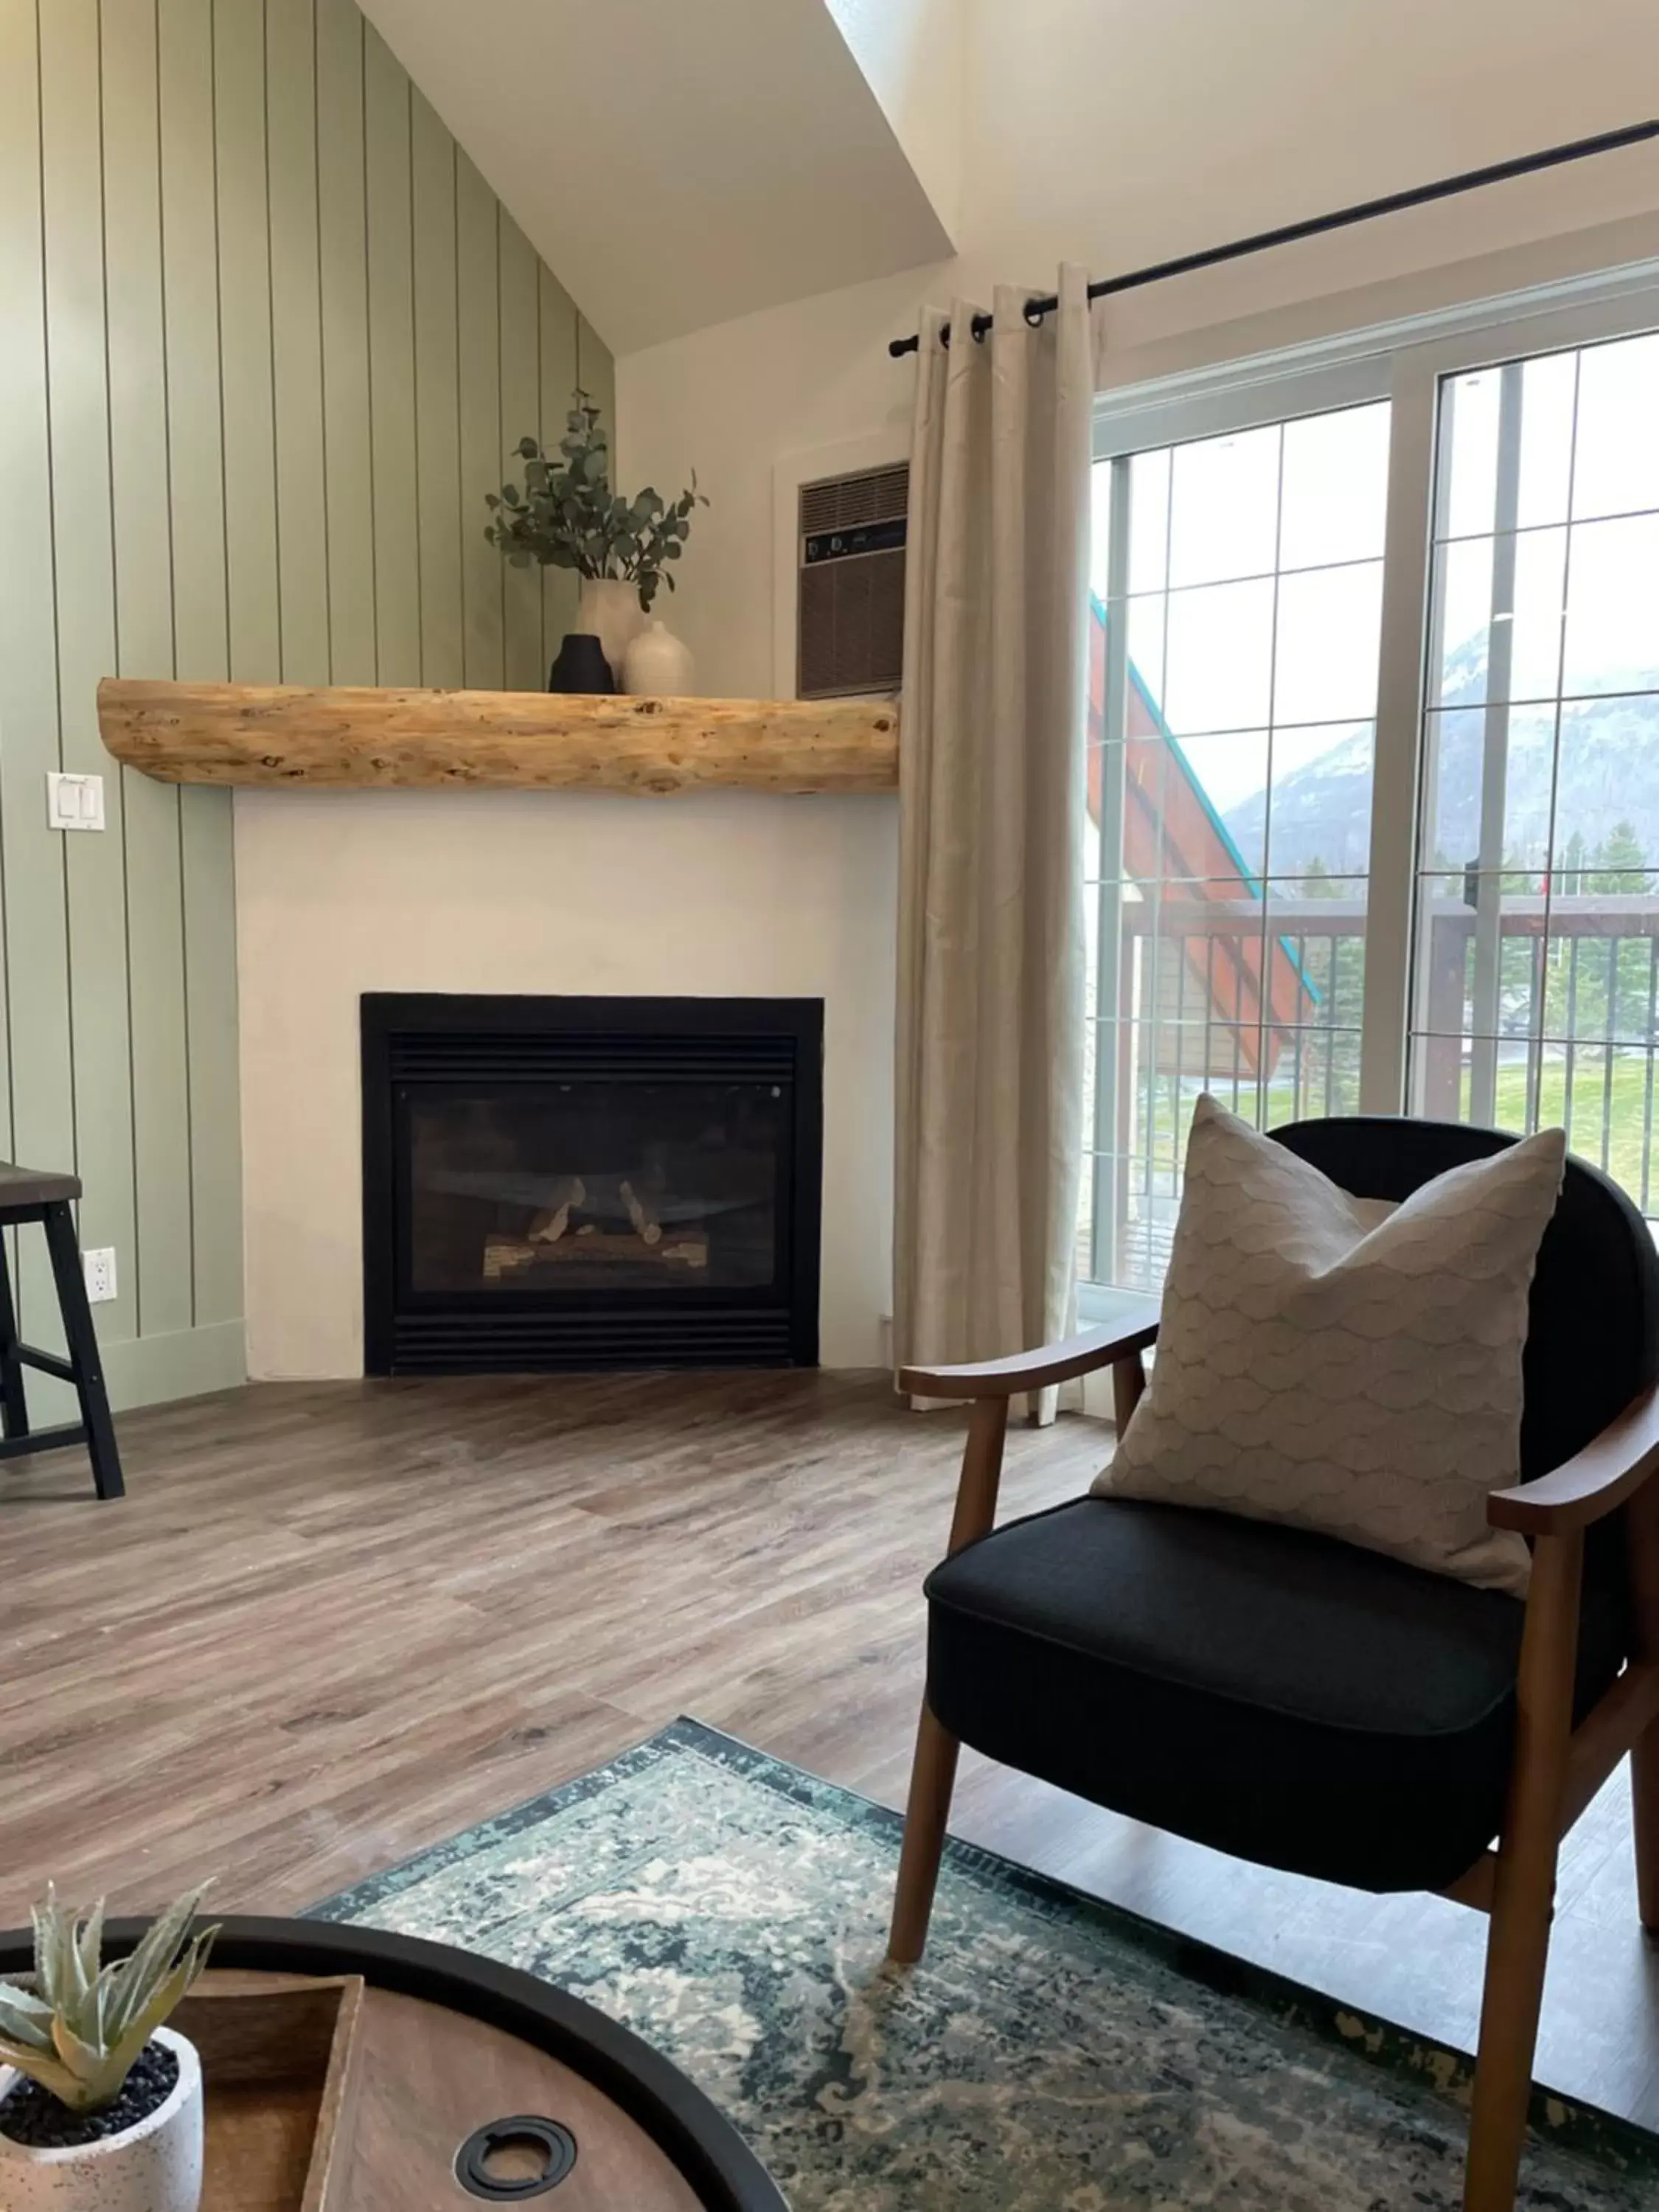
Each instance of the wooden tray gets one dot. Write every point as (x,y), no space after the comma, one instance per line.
(346,2068)
(278,2067)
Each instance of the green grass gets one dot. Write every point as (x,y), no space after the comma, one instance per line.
(1627,1109)
(1625,1112)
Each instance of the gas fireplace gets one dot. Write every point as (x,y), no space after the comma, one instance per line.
(571,1182)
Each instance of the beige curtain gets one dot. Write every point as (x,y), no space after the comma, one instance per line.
(992,785)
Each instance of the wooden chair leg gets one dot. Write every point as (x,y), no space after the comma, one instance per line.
(1523,1897)
(933,1778)
(13,1398)
(82,1337)
(933,1774)
(1644,1793)
(1128,1388)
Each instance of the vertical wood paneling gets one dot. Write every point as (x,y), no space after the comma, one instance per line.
(196,441)
(343,224)
(391,363)
(136,347)
(259,360)
(483,458)
(596,372)
(160,1270)
(438,423)
(558,375)
(71,169)
(296,338)
(190,230)
(523,666)
(245,343)
(37,1107)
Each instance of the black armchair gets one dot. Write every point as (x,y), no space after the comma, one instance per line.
(1297,1701)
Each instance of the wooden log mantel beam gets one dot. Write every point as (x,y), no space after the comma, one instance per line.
(276,735)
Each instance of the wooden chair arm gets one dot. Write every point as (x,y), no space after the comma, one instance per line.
(1595,1482)
(1036,1370)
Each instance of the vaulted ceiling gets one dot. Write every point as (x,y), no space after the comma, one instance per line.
(679,163)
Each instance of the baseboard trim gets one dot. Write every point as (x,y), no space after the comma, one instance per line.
(149,1370)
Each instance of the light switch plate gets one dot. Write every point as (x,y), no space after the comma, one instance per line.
(74,802)
(98,1267)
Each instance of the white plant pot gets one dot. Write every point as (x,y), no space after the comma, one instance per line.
(608,606)
(155,2165)
(658,664)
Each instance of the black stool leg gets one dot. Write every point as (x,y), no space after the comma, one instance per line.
(14,1401)
(65,1250)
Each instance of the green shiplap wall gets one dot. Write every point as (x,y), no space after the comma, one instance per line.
(268,338)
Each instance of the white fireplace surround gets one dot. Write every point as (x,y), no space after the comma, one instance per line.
(717,894)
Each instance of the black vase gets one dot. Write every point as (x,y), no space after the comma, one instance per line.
(581,665)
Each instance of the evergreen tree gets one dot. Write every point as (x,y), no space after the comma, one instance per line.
(1618,864)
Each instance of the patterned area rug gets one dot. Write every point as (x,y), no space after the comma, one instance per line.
(1050,2054)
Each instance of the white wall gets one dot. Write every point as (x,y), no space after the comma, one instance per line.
(1117,134)
(915,53)
(678,163)
(711,895)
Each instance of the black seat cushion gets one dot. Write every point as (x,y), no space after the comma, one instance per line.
(1280,1695)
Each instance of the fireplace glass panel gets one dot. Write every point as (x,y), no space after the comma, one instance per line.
(594,1187)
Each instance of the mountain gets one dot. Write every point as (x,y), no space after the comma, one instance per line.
(1609,774)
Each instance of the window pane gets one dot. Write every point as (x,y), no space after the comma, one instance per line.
(1149,521)
(1220,657)
(1607,785)
(1321,781)
(1246,742)
(1224,517)
(1468,437)
(1613,605)
(1536,968)
(1485,587)
(1232,772)
(1336,487)
(1147,624)
(1458,741)
(1616,463)
(1549,394)
(1325,665)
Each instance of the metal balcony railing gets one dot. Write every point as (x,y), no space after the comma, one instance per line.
(1566,1030)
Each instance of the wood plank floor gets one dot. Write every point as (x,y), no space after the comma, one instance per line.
(332,1623)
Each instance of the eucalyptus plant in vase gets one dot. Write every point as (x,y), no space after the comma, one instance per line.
(567,515)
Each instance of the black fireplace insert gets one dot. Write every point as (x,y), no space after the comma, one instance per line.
(574,1182)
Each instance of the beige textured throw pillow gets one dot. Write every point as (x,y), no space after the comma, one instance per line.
(1342,1364)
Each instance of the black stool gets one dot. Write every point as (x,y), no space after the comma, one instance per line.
(27,1195)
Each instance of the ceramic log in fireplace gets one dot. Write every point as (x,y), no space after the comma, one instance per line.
(571,1182)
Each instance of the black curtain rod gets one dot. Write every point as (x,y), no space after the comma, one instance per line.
(1524,165)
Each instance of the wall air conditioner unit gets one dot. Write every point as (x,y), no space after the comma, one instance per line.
(849,583)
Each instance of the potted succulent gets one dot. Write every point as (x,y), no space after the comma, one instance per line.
(566,516)
(100,2104)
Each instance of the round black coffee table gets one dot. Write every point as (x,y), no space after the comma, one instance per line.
(470,2081)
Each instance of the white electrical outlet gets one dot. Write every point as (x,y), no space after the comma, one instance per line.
(74,802)
(100,1268)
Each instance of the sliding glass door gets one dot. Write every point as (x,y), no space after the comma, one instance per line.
(1537,961)
(1373,791)
(1238,587)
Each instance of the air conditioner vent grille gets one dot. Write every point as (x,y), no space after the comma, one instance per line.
(871,495)
(849,584)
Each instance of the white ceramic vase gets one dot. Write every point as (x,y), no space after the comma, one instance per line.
(658,664)
(609,607)
(155,2165)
